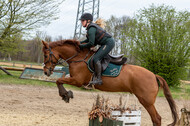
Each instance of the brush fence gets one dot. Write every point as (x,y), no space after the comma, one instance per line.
(185,118)
(129,118)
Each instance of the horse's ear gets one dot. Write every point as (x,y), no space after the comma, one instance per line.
(45,44)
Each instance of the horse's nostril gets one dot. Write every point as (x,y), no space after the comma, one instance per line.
(45,73)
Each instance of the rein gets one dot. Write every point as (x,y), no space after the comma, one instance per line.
(61,63)
(83,60)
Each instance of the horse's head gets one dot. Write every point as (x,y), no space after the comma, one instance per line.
(65,49)
(51,58)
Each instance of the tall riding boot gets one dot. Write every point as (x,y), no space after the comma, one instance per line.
(98,73)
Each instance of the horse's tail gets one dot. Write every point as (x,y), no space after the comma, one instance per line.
(169,98)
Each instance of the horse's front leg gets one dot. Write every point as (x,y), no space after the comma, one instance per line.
(66,95)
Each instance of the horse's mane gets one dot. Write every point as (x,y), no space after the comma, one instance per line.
(66,41)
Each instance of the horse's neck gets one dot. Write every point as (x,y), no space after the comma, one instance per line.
(67,52)
(84,54)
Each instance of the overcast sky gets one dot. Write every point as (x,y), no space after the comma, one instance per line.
(65,25)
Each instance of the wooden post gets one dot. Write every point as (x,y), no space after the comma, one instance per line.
(5,71)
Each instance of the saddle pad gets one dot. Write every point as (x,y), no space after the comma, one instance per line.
(112,70)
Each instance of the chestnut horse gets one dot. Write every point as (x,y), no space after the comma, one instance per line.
(134,79)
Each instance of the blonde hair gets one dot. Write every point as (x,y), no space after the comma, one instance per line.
(100,22)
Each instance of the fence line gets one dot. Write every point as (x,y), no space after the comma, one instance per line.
(13,64)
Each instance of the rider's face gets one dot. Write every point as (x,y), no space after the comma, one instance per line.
(84,23)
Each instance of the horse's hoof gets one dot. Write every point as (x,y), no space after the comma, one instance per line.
(65,98)
(70,94)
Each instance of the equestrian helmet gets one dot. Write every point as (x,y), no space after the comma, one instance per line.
(86,16)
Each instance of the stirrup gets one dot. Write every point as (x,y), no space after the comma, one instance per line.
(88,87)
(94,82)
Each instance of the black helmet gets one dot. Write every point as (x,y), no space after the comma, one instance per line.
(86,16)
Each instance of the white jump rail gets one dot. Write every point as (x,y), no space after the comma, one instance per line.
(129,118)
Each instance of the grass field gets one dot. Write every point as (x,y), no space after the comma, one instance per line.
(20,62)
(182,92)
(6,79)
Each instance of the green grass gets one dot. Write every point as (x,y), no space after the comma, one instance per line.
(6,79)
(182,92)
(21,62)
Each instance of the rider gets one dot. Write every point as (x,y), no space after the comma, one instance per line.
(96,36)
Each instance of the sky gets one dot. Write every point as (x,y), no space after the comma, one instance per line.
(65,25)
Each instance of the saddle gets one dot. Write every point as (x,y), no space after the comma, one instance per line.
(117,60)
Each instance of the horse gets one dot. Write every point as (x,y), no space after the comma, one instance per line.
(134,79)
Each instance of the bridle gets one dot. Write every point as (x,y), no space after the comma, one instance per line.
(50,60)
(58,60)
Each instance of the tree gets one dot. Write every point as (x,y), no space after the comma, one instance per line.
(22,15)
(34,46)
(12,45)
(119,27)
(160,40)
(114,26)
(17,17)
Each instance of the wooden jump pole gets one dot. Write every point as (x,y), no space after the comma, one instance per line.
(5,71)
(13,68)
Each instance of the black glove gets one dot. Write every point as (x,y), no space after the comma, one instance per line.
(81,47)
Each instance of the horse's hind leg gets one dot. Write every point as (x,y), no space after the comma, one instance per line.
(155,117)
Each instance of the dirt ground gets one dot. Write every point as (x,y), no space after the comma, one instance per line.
(26,105)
